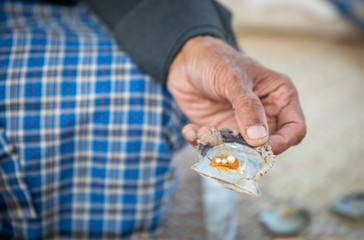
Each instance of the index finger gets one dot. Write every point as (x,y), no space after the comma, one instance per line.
(291,127)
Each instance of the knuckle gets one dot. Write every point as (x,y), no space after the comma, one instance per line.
(288,86)
(284,79)
(285,91)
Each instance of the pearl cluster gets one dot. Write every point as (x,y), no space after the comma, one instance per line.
(230,159)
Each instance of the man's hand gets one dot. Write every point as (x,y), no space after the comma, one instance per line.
(215,85)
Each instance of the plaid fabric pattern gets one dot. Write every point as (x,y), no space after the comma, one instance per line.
(86,137)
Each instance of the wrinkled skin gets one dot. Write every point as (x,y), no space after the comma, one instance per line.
(215,85)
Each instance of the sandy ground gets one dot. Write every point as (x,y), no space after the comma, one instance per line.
(329,163)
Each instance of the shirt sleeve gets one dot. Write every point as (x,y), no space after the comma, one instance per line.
(153,31)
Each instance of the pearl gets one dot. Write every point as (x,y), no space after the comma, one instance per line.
(218,160)
(231,158)
(224,160)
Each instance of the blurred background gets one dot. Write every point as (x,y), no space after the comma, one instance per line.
(323,52)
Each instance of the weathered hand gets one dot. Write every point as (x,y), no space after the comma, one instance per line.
(215,85)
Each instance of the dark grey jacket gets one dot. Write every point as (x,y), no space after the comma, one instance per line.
(153,31)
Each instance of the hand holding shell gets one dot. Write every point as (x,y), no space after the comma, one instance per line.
(226,158)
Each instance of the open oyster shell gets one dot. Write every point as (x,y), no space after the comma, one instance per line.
(226,158)
(351,206)
(284,220)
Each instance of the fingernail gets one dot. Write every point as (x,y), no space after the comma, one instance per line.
(256,132)
(189,135)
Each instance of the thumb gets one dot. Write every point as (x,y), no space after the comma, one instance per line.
(250,116)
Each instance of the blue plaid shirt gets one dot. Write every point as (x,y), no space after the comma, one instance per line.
(86,138)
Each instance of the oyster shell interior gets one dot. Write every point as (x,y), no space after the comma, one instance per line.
(226,158)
